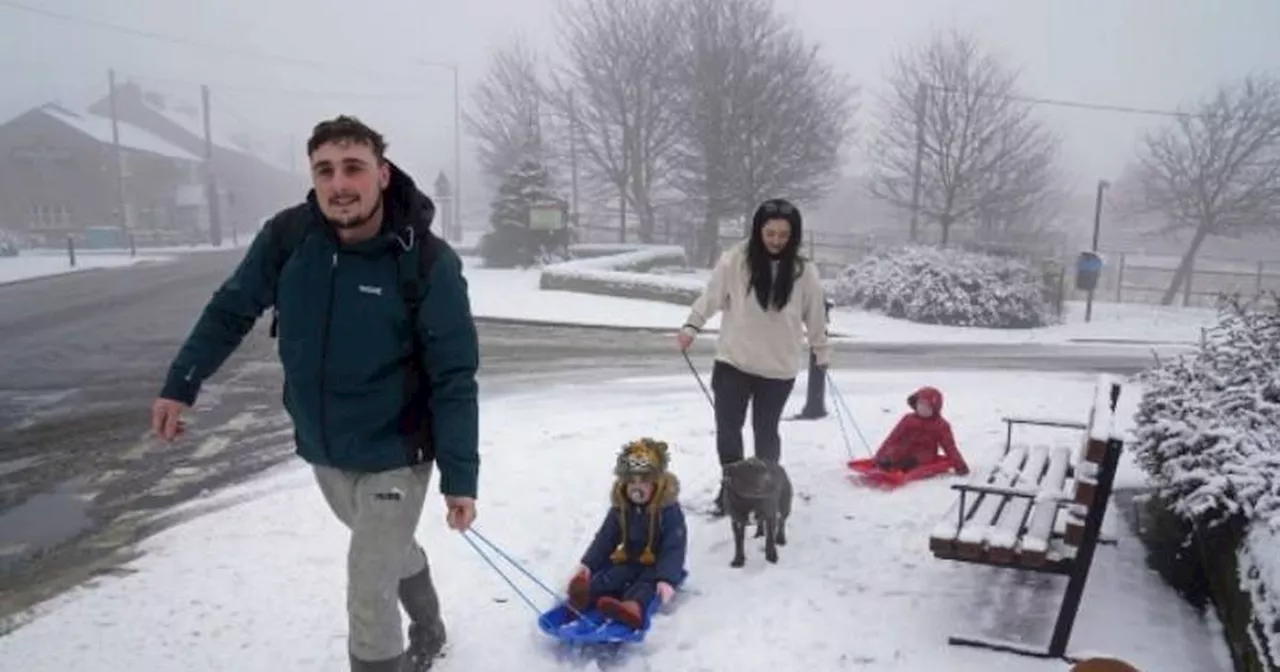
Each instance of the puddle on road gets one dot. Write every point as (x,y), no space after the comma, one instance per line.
(43,520)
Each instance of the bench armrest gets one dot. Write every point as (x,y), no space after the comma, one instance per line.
(1045,422)
(1029,493)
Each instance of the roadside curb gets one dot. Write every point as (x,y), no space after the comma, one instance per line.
(529,322)
(838,337)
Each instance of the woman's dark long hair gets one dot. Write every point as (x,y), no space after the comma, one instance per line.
(768,288)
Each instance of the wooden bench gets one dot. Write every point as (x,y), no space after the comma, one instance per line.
(1040,508)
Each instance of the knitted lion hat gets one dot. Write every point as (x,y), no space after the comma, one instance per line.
(648,459)
(645,457)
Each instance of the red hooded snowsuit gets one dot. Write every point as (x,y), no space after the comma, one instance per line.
(917,439)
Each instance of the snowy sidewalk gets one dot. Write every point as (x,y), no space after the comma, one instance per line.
(260,586)
(513,294)
(44,263)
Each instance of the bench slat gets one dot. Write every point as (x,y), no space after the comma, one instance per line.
(972,536)
(944,533)
(1034,544)
(1004,536)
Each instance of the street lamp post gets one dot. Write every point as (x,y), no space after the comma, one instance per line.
(453,230)
(1097,230)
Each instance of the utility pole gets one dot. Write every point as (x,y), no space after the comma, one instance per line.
(922,93)
(573,156)
(121,197)
(622,192)
(210,183)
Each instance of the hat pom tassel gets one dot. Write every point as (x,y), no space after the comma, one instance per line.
(619,554)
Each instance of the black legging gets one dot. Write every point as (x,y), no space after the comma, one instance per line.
(734,389)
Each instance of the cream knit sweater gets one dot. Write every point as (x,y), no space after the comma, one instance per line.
(768,344)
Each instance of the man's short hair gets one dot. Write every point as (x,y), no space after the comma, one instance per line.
(343,129)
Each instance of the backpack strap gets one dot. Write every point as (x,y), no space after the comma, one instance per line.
(285,233)
(417,253)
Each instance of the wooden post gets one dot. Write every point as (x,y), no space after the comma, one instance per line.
(71,251)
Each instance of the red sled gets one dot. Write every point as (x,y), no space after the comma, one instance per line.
(870,474)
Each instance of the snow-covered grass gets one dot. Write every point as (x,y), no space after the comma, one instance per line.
(260,586)
(43,263)
(515,294)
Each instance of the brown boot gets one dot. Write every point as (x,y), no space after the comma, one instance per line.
(629,613)
(580,592)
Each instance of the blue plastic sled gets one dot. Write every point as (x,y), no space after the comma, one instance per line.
(593,627)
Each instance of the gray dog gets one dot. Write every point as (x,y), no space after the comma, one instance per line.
(754,486)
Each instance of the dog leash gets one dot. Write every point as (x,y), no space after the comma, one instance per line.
(698,377)
(842,410)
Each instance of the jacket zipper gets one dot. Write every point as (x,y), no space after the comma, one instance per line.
(324,358)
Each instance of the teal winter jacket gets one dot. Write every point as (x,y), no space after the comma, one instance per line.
(358,399)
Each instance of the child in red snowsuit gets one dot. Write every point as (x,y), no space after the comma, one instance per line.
(918,435)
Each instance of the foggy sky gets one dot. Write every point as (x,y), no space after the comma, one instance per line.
(1141,53)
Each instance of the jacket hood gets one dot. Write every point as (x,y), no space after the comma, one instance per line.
(408,212)
(930,394)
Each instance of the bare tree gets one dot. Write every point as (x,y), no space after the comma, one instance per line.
(506,116)
(761,114)
(616,85)
(1216,171)
(953,124)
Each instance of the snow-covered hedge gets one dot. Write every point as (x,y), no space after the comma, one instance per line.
(1208,432)
(945,286)
(620,270)
(1208,425)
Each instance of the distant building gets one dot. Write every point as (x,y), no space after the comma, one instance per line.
(254,180)
(58,178)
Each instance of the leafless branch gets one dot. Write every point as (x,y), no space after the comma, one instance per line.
(505,116)
(761,114)
(984,154)
(615,85)
(1216,171)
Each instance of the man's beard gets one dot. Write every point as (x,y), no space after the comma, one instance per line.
(357,221)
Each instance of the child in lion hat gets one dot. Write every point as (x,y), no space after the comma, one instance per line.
(639,550)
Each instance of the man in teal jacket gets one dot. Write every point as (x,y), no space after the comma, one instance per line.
(380,354)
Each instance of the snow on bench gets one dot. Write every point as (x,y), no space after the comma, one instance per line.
(1004,536)
(1033,547)
(968,528)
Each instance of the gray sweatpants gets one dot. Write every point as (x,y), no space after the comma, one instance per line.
(382,511)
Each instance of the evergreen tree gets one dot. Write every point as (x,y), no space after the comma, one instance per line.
(512,242)
(525,184)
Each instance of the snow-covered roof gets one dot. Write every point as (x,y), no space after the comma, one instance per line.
(132,137)
(190,118)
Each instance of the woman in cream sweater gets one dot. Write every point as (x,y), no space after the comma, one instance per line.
(770,299)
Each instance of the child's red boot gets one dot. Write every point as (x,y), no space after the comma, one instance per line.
(629,613)
(580,592)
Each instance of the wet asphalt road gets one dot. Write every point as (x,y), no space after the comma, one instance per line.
(81,357)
